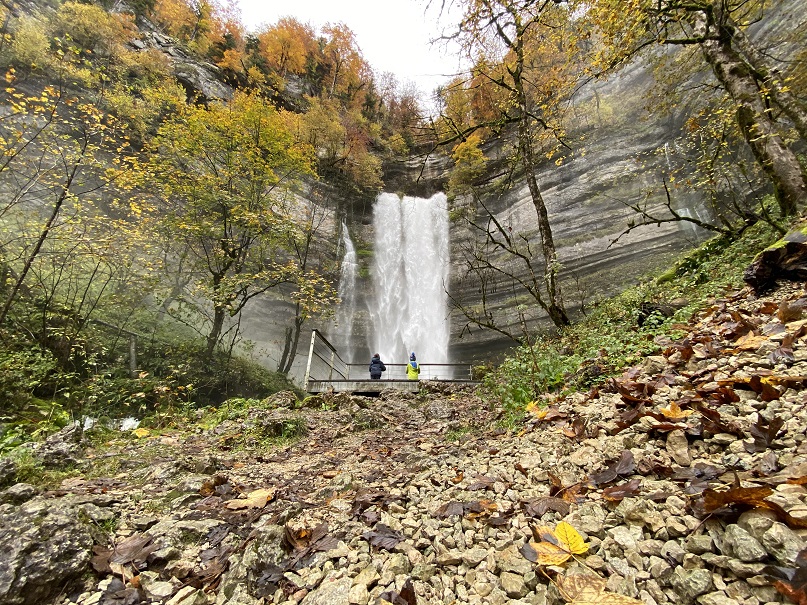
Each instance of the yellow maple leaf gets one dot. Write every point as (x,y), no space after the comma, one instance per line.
(534,408)
(584,589)
(558,545)
(141,433)
(674,412)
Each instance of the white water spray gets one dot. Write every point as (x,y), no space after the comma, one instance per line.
(410,275)
(343,331)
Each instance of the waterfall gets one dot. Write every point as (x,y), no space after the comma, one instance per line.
(343,330)
(410,274)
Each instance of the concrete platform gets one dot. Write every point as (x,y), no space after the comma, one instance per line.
(362,386)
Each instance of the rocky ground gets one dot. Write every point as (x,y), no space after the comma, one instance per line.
(680,482)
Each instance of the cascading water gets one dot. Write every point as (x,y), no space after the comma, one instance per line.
(410,274)
(343,330)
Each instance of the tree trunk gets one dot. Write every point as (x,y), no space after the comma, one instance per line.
(554,307)
(769,75)
(777,160)
(290,345)
(215,331)
(57,206)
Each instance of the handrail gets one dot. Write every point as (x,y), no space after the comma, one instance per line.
(326,365)
(327,357)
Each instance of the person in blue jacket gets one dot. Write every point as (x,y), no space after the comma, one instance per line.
(376,367)
(412,368)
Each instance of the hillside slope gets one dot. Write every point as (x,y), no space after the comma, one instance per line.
(684,477)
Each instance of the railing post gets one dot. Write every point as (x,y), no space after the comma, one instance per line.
(310,357)
(330,374)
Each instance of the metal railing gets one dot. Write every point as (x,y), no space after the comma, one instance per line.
(325,365)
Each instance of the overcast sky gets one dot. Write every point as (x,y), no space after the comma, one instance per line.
(393,34)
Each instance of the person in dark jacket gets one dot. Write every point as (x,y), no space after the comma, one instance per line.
(376,367)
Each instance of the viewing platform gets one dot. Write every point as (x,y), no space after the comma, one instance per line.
(327,372)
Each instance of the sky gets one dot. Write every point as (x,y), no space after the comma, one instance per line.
(393,35)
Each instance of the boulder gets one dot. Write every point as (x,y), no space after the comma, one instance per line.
(45,550)
(785,259)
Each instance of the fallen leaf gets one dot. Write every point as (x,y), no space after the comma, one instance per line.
(764,433)
(558,545)
(624,466)
(383,537)
(450,509)
(407,595)
(586,589)
(481,482)
(256,499)
(791,311)
(617,493)
(674,412)
(141,433)
(538,507)
(750,342)
(749,496)
(791,582)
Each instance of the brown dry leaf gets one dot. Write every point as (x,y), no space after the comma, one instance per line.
(481,482)
(538,507)
(458,479)
(751,342)
(256,499)
(768,308)
(584,589)
(576,430)
(482,508)
(749,496)
(617,493)
(625,465)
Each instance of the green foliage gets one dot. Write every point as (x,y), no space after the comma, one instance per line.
(529,371)
(459,434)
(30,45)
(609,338)
(23,373)
(469,165)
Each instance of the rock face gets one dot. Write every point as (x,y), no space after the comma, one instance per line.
(45,548)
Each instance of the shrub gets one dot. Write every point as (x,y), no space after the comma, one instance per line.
(30,45)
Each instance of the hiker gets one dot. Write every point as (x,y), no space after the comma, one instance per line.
(376,367)
(412,368)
